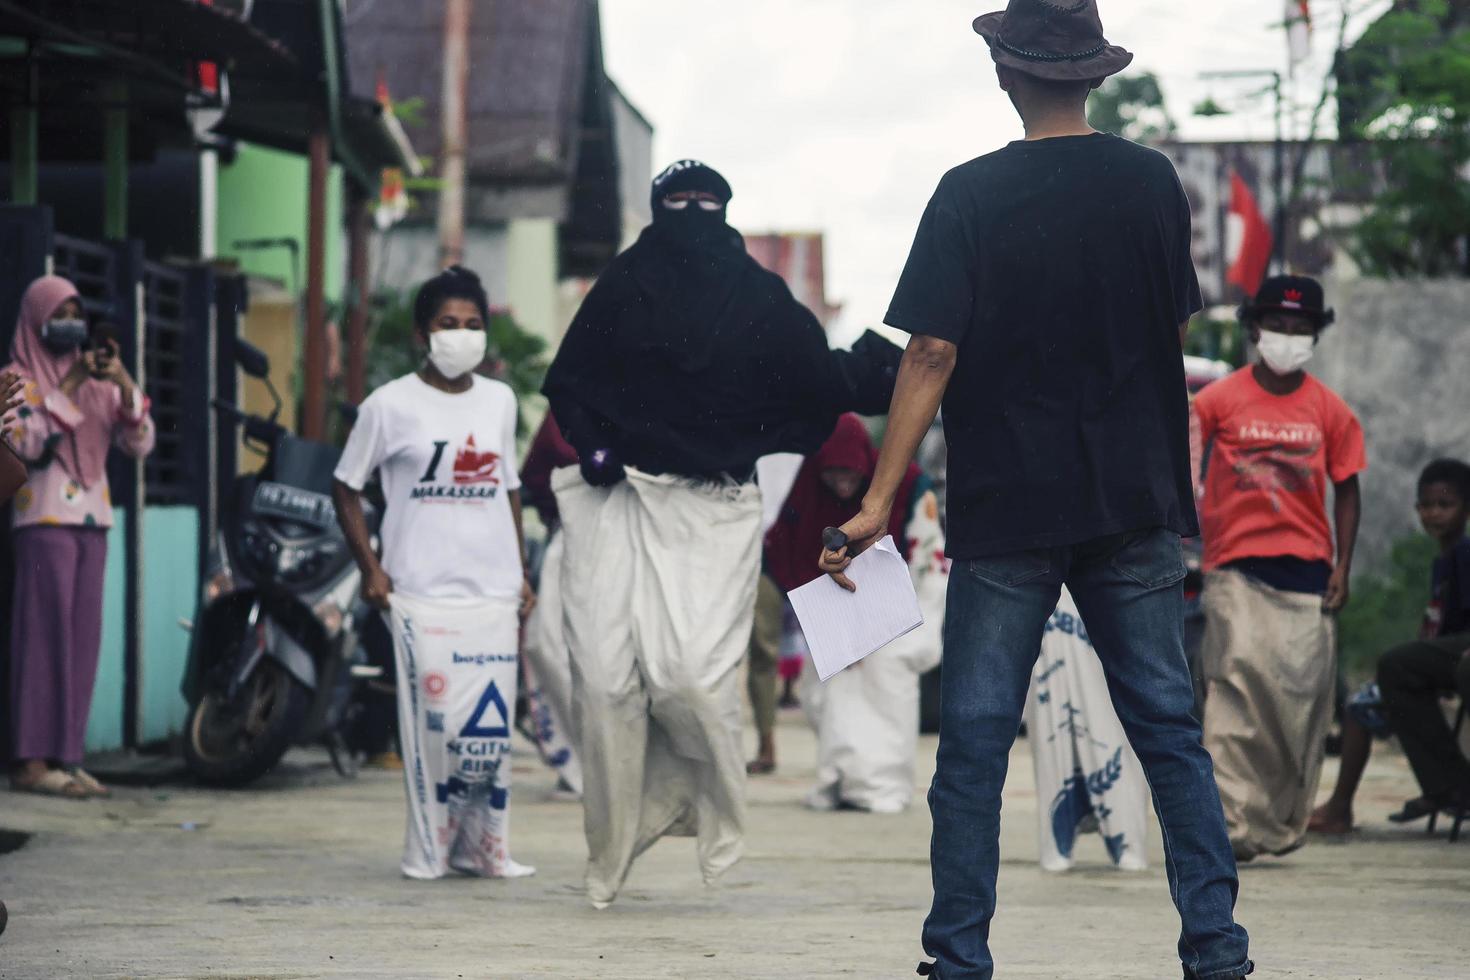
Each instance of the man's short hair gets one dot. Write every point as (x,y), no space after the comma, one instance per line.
(1451,471)
(1056,91)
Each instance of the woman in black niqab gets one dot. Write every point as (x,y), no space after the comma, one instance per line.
(688,358)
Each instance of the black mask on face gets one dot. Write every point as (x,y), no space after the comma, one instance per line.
(691,222)
(64,334)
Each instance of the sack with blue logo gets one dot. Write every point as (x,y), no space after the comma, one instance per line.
(456,699)
(1087,777)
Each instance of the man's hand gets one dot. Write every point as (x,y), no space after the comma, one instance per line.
(863,531)
(376,587)
(528,599)
(923,375)
(1336,595)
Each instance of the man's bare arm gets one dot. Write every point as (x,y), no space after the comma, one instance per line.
(923,376)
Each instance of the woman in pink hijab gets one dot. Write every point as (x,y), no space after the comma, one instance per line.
(76,402)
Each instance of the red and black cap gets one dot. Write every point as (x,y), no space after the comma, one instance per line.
(1301,295)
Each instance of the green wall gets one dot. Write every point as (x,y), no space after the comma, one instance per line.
(262,194)
(105,724)
(170,593)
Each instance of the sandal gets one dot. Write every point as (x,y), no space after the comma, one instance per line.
(759,767)
(89,782)
(54,783)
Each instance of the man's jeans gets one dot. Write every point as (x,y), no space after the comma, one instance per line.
(1127,588)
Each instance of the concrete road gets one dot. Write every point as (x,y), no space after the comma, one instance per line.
(298,878)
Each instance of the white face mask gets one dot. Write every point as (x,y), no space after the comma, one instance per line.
(1285,353)
(456,352)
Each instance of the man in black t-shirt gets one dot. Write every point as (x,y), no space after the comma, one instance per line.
(1047,292)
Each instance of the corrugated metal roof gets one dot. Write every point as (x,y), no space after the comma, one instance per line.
(528,62)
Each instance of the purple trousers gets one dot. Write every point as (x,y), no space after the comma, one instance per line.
(55,638)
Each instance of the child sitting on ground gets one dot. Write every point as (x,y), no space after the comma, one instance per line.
(1412,677)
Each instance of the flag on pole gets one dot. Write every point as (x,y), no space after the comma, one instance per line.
(392,190)
(1298,32)
(1250,235)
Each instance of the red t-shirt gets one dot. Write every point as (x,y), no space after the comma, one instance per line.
(1269,459)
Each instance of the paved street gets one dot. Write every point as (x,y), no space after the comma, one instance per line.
(298,878)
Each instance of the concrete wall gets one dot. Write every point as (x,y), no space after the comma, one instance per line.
(516,261)
(531,276)
(634,136)
(1399,355)
(409,254)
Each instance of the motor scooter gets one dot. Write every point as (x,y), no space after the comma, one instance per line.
(274,658)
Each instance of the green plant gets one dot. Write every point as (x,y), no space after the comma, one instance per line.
(1218,340)
(1131,106)
(1405,88)
(1385,609)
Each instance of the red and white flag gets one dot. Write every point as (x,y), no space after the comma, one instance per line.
(392,189)
(1249,238)
(1298,32)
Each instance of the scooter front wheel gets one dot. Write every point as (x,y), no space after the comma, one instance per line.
(234,743)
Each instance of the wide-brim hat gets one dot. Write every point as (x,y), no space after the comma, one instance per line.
(1301,295)
(1061,40)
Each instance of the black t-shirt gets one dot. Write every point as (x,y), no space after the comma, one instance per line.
(1449,602)
(1061,269)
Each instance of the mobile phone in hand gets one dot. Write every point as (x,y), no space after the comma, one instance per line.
(102,340)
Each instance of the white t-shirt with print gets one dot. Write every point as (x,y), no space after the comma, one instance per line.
(447,462)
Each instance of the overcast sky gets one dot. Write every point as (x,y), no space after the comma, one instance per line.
(841,115)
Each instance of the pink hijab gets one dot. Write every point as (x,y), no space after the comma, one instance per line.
(83,455)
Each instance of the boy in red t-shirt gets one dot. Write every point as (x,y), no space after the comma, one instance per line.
(1275,438)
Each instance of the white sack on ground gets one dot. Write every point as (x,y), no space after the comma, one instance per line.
(658,588)
(867,716)
(548,673)
(1269,659)
(456,694)
(1085,769)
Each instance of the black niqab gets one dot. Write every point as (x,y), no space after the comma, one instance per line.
(687,357)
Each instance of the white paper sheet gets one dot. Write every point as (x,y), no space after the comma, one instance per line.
(843,627)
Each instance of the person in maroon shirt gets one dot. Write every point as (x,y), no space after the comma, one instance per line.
(549,452)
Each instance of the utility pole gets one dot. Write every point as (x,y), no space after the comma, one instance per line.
(313,422)
(453,113)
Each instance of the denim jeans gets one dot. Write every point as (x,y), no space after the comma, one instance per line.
(1127,588)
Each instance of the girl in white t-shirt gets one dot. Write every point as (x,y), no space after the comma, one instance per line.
(443,442)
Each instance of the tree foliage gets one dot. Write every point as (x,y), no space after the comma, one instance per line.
(1131,106)
(1386,609)
(1405,88)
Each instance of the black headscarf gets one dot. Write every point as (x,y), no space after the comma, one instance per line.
(687,357)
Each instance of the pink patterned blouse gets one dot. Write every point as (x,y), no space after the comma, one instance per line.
(51,497)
